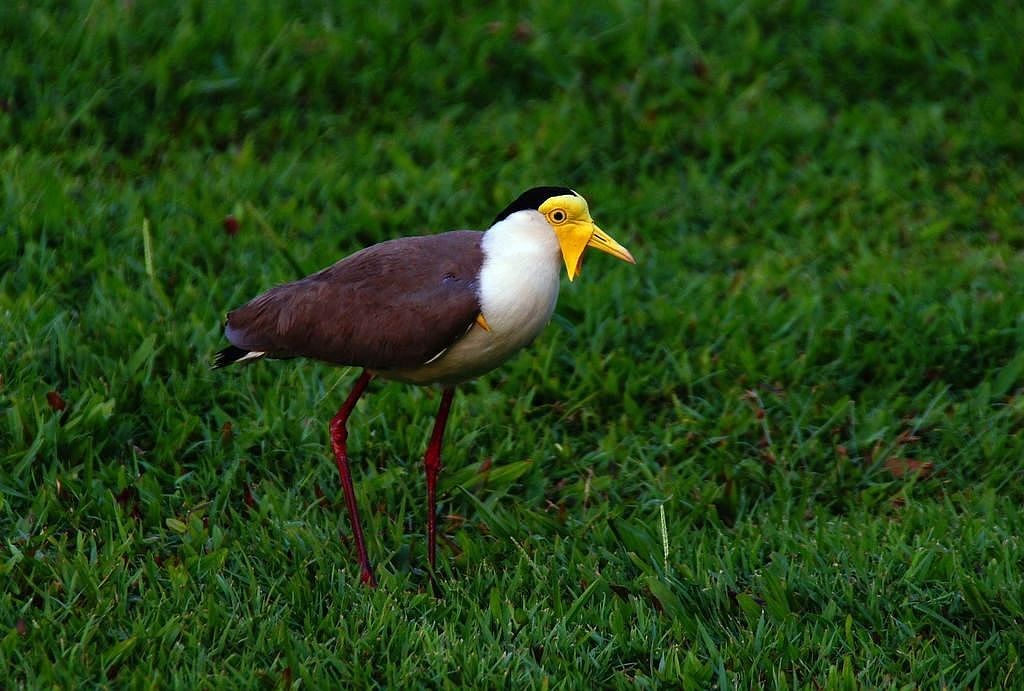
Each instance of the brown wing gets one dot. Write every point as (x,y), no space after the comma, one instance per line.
(393,305)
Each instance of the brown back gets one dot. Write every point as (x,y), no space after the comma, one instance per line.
(393,305)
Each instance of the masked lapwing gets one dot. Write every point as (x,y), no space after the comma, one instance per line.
(436,309)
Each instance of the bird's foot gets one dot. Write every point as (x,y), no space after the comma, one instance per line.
(367,577)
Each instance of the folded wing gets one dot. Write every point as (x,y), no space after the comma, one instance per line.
(390,306)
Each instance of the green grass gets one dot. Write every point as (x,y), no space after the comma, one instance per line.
(705,472)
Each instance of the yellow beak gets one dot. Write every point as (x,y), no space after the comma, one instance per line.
(581,237)
(604,242)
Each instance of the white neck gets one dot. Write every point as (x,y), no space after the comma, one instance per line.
(520,275)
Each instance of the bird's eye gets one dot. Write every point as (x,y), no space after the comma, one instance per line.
(557,216)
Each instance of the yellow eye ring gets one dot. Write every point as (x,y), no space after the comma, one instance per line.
(557,216)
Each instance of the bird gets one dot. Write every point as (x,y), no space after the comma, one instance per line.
(434,310)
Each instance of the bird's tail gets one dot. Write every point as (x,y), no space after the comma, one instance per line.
(232,354)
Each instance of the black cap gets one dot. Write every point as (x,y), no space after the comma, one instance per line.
(532,199)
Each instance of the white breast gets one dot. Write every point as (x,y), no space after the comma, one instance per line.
(518,291)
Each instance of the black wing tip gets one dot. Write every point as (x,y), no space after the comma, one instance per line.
(228,356)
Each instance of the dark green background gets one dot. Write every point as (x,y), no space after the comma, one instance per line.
(784,449)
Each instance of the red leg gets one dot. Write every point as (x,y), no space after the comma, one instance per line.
(339,435)
(432,464)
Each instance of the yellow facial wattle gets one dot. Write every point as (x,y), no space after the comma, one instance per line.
(569,215)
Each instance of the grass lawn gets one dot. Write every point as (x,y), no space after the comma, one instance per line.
(786,449)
